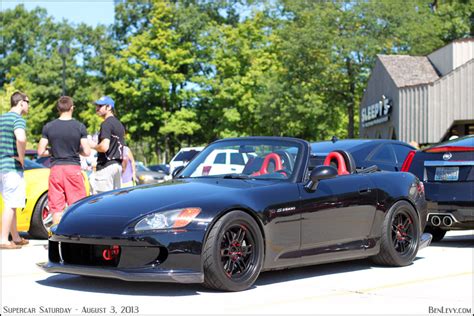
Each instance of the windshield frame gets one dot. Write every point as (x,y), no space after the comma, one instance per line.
(301,160)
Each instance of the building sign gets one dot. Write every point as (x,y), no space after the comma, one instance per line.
(376,113)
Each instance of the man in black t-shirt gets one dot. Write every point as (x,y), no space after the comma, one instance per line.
(110,148)
(68,138)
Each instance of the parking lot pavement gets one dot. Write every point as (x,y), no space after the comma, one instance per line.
(440,281)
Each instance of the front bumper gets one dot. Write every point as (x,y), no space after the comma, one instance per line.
(159,257)
(138,275)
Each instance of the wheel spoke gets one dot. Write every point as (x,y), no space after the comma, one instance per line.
(406,223)
(241,264)
(228,237)
(246,250)
(394,228)
(241,236)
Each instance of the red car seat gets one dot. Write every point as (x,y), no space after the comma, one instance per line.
(275,158)
(338,158)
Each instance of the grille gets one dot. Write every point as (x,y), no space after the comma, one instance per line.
(83,254)
(106,255)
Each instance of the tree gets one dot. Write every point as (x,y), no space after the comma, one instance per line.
(33,64)
(151,78)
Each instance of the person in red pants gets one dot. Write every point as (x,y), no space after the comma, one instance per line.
(67,138)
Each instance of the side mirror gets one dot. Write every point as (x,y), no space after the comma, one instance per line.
(320,173)
(176,171)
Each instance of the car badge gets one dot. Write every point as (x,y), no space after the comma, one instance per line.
(447,156)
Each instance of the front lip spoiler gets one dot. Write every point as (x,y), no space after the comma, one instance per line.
(137,275)
(425,240)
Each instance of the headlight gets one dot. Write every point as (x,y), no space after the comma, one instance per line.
(169,219)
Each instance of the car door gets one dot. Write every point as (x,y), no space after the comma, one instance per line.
(337,217)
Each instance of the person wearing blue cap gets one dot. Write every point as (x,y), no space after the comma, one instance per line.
(110,148)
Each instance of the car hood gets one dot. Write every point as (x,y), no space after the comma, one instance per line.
(107,214)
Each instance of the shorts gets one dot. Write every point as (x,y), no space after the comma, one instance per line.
(13,189)
(66,185)
(107,179)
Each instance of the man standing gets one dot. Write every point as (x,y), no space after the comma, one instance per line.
(12,157)
(110,148)
(68,139)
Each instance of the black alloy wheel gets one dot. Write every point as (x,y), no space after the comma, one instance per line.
(400,236)
(233,253)
(237,256)
(403,233)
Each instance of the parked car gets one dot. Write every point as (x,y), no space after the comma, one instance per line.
(386,154)
(31,154)
(221,162)
(35,218)
(222,230)
(183,157)
(147,176)
(165,168)
(447,171)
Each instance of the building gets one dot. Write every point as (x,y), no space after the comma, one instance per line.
(426,99)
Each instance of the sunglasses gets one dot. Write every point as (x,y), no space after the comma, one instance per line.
(27,101)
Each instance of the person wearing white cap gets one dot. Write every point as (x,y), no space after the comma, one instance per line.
(109,147)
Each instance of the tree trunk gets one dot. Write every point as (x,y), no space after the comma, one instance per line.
(350,99)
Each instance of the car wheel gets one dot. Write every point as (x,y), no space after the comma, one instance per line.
(400,236)
(41,219)
(233,253)
(436,232)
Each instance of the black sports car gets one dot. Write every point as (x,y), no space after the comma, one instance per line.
(447,170)
(222,224)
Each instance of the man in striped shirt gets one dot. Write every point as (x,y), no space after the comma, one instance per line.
(12,157)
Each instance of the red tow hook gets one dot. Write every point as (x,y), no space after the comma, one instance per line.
(111,253)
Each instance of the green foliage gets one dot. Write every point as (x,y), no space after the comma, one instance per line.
(186,72)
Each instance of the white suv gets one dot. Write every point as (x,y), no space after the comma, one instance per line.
(183,156)
(222,161)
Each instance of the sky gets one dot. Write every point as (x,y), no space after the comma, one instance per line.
(88,11)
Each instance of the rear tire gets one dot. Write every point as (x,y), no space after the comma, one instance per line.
(436,232)
(233,253)
(38,226)
(400,236)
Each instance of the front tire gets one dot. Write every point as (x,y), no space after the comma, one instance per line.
(41,219)
(400,236)
(233,253)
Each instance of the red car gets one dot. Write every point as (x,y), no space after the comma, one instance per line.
(447,171)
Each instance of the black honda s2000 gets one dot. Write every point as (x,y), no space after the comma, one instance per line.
(243,206)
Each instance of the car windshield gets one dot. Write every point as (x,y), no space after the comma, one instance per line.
(246,159)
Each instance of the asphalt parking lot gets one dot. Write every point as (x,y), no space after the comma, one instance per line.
(440,281)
